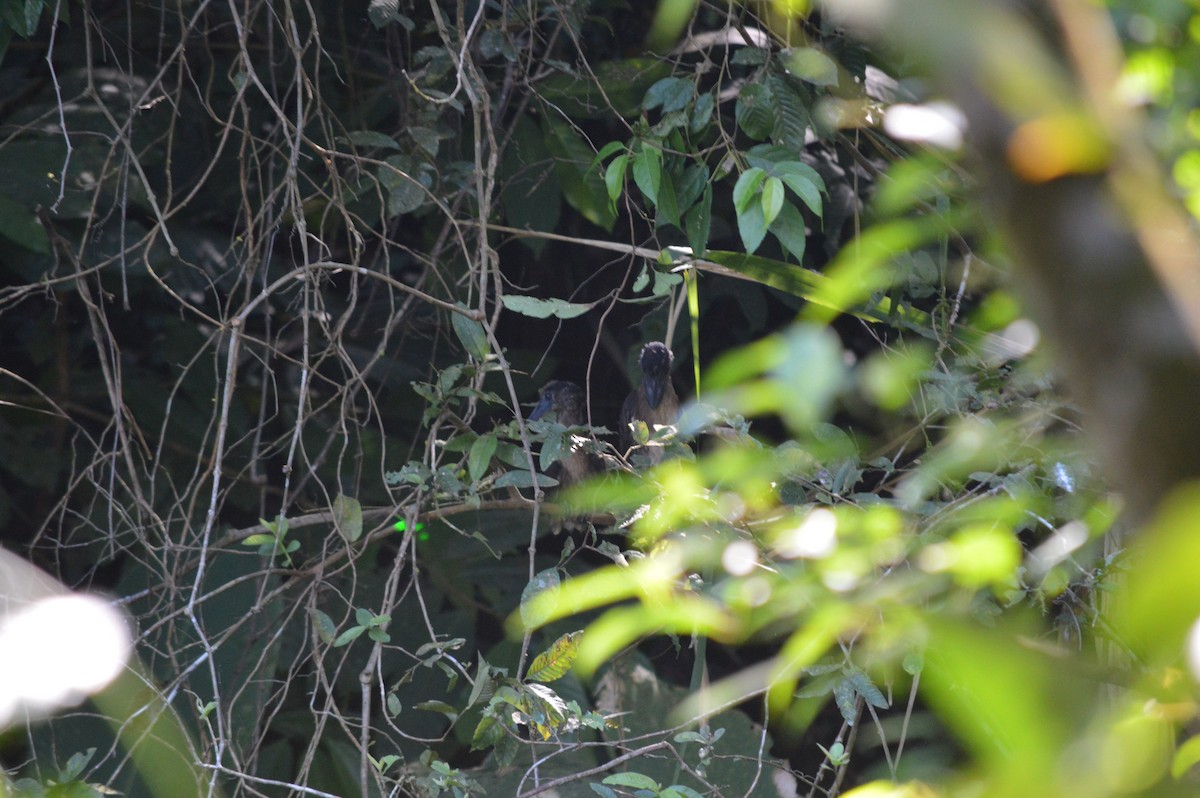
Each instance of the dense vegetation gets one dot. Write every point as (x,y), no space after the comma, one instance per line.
(281,283)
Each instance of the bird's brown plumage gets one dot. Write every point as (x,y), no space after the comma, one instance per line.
(566,401)
(654,402)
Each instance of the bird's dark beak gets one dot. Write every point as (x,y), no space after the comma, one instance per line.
(656,386)
(543,407)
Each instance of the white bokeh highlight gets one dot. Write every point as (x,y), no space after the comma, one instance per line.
(56,651)
(938,124)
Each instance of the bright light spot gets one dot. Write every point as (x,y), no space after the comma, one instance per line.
(939,124)
(840,581)
(739,557)
(815,537)
(56,651)
(1193,650)
(1013,342)
(1063,478)
(757,591)
(937,558)
(1059,546)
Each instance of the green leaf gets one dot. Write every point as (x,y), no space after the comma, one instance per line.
(750,56)
(75,765)
(382,12)
(702,112)
(371,138)
(554,662)
(752,227)
(690,185)
(791,112)
(426,138)
(679,791)
(583,188)
(697,223)
(405,190)
(772,199)
(326,630)
(481,456)
(746,187)
(531,195)
(470,334)
(542,582)
(845,696)
(867,689)
(523,479)
(349,635)
(804,182)
(638,781)
(1187,755)
(33,13)
(668,207)
(348,517)
(624,83)
(789,228)
(20,224)
(605,151)
(614,176)
(647,171)
(552,451)
(913,664)
(755,111)
(813,66)
(671,94)
(494,42)
(543,308)
(438,706)
(488,732)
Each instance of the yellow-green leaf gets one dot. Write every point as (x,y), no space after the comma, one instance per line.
(555,661)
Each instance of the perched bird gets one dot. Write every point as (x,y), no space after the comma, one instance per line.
(566,401)
(655,401)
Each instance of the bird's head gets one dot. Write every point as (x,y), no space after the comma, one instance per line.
(656,371)
(564,399)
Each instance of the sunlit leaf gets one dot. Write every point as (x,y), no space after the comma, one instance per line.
(555,661)
(772,199)
(747,187)
(813,65)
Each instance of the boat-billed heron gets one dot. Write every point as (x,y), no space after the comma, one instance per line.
(655,401)
(566,401)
